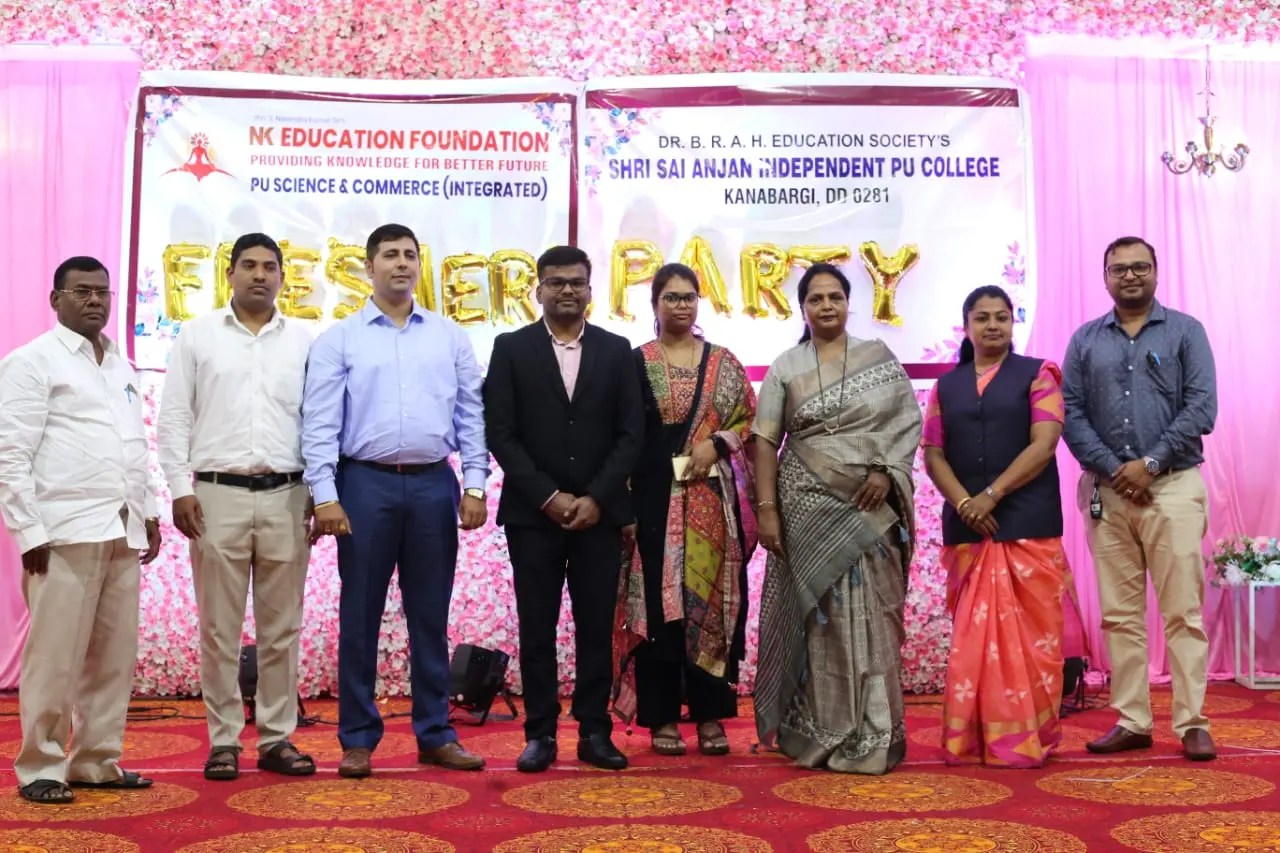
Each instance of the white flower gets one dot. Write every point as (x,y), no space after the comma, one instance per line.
(1232,575)
(1272,571)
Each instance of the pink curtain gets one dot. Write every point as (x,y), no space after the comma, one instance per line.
(1100,125)
(63,124)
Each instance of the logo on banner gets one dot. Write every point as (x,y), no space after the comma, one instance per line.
(199,161)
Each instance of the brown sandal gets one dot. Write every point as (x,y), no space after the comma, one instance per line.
(667,741)
(712,739)
(223,764)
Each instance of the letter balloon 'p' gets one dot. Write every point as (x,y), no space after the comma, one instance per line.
(632,262)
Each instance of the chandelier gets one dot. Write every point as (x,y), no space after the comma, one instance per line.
(1206,161)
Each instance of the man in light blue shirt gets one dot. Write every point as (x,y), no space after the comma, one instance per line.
(391,392)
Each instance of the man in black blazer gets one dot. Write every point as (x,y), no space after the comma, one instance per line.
(565,419)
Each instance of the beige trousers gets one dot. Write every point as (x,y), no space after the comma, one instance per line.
(260,536)
(1162,539)
(77,665)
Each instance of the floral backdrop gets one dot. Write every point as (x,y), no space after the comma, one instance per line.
(512,38)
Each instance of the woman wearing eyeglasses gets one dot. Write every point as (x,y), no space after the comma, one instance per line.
(681,620)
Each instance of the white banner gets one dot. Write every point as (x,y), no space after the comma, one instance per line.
(480,170)
(918,187)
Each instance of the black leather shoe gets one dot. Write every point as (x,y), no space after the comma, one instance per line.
(538,755)
(599,751)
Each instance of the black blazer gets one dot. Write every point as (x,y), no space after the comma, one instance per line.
(546,442)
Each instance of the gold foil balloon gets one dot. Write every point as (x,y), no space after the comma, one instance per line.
(886,275)
(179,279)
(632,262)
(765,268)
(296,271)
(697,257)
(342,266)
(222,275)
(456,289)
(806,256)
(513,275)
(425,291)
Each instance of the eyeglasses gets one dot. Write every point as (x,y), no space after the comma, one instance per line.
(558,285)
(674,299)
(84,294)
(1140,269)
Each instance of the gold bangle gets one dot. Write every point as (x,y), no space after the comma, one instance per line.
(325,504)
(960,506)
(764,503)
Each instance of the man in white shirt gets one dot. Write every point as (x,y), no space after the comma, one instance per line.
(229,436)
(76,494)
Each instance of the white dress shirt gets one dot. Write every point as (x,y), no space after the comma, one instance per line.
(232,400)
(73,450)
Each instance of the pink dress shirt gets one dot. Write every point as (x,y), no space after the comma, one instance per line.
(569,355)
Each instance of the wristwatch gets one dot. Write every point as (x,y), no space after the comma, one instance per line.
(478,494)
(1152,466)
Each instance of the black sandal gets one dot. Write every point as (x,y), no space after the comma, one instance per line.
(47,792)
(223,764)
(712,739)
(284,758)
(128,781)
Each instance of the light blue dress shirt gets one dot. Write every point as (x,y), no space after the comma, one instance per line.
(380,393)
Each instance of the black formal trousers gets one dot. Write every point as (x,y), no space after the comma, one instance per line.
(542,559)
(664,683)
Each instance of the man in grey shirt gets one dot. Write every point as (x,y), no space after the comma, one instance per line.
(1140,393)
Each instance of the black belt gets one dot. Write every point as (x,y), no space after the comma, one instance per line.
(391,468)
(252,482)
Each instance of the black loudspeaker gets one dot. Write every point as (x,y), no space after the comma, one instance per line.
(249,687)
(477,676)
(1073,698)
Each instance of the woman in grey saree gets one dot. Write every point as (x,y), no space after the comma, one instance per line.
(836,513)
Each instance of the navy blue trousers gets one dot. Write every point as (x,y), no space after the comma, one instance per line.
(410,522)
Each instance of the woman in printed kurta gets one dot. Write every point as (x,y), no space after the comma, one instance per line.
(1008,581)
(837,430)
(681,620)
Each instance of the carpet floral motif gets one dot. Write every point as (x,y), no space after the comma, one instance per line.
(341,799)
(1155,786)
(1202,832)
(99,804)
(943,836)
(639,838)
(62,841)
(897,792)
(323,840)
(622,797)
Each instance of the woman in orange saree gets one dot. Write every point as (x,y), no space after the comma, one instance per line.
(990,435)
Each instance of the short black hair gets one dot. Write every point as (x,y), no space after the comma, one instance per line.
(563,256)
(1125,242)
(80,263)
(254,241)
(387,234)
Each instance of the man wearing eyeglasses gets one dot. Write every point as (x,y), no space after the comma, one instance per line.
(564,419)
(1141,392)
(77,497)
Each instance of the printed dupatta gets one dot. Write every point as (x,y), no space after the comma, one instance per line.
(700,573)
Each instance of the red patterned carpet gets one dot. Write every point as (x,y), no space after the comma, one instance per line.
(742,803)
